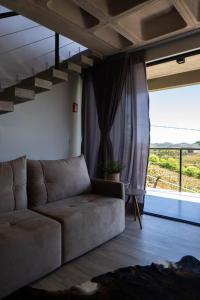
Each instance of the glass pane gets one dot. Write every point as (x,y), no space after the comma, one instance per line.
(163,169)
(4,9)
(191,171)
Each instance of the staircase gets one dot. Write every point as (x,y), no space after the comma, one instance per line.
(27,89)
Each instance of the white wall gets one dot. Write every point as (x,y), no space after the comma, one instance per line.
(44,128)
(76,96)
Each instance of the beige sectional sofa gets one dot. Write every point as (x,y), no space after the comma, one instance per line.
(67,215)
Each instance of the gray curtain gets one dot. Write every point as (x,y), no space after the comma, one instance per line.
(108,81)
(90,127)
(130,133)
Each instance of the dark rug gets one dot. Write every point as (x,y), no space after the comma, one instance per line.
(174,281)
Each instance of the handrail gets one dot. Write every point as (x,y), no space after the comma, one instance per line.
(173,184)
(174,148)
(180,161)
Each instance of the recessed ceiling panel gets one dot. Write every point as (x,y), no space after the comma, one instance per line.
(115,7)
(71,12)
(160,21)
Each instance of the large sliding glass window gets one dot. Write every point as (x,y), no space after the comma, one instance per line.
(173,180)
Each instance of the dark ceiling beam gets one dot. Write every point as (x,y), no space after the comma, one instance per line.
(8,14)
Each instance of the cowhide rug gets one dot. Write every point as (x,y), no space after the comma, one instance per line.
(174,281)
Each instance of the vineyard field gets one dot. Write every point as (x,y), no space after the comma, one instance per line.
(164,170)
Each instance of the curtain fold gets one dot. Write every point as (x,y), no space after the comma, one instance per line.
(90,126)
(108,82)
(130,134)
(116,118)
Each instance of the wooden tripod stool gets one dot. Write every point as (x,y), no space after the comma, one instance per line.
(132,196)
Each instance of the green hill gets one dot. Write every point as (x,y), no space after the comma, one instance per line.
(178,145)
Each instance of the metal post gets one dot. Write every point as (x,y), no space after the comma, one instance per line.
(57,58)
(180,171)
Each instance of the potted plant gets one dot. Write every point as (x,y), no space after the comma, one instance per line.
(112,170)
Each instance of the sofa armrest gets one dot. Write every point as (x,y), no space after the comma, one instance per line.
(108,188)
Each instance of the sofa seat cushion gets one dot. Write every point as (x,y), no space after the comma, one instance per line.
(30,247)
(13,180)
(87,221)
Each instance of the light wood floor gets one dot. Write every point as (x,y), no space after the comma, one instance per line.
(159,240)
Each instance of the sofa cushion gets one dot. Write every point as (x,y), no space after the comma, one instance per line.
(13,178)
(52,180)
(30,247)
(87,221)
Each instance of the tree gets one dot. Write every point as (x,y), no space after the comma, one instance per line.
(198,142)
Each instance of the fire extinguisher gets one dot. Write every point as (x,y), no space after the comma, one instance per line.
(75,107)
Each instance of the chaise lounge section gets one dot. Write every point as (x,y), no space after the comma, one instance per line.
(30,244)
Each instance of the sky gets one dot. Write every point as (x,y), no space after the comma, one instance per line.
(177,107)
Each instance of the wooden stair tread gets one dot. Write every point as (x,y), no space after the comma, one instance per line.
(55,75)
(60,75)
(73,67)
(22,95)
(42,85)
(37,84)
(6,106)
(86,61)
(82,61)
(17,94)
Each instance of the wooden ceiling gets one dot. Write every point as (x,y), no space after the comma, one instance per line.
(111,26)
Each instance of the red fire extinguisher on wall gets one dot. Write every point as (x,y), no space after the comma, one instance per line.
(75,107)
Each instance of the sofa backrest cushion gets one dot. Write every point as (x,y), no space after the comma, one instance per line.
(13,179)
(53,180)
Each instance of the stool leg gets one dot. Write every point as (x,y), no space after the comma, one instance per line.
(134,208)
(127,202)
(138,212)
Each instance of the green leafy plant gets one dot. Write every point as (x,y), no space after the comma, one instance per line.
(192,171)
(154,159)
(112,166)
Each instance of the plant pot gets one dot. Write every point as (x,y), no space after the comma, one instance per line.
(112,177)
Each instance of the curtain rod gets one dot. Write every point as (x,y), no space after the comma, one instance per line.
(174,57)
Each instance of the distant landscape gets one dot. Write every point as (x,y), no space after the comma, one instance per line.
(179,145)
(164,167)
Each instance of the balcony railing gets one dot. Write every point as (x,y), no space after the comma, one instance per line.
(174,169)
